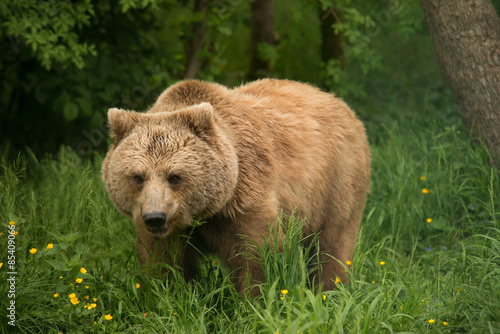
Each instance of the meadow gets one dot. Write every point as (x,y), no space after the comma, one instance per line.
(427,259)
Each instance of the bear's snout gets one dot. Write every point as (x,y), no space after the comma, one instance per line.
(155,219)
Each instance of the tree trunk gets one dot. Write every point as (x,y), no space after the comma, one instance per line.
(262,31)
(331,43)
(197,41)
(466,37)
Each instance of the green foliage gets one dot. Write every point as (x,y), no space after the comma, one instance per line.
(226,49)
(51,40)
(68,102)
(64,64)
(365,27)
(128,4)
(52,28)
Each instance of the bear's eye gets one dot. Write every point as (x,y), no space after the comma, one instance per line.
(174,179)
(139,180)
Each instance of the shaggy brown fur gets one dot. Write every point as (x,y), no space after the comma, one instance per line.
(237,158)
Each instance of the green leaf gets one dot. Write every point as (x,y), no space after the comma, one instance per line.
(198,16)
(457,165)
(74,261)
(85,106)
(61,288)
(59,265)
(13,218)
(225,31)
(70,111)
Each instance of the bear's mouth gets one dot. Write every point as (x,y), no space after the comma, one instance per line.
(158,232)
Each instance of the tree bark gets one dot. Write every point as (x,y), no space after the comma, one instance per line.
(262,31)
(331,43)
(466,38)
(197,41)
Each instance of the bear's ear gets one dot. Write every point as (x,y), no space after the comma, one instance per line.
(121,122)
(200,118)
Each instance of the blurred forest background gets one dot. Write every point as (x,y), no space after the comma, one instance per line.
(63,64)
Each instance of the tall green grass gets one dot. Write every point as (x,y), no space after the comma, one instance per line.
(407,276)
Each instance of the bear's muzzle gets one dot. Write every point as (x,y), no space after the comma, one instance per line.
(155,219)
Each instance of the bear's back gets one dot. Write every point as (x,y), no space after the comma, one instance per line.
(319,147)
(289,136)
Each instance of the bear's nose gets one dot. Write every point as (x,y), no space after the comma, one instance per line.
(155,219)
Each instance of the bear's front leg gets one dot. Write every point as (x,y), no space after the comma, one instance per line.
(249,272)
(238,243)
(155,255)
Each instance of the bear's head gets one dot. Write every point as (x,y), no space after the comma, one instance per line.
(165,168)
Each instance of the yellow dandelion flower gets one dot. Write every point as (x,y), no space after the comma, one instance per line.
(137,285)
(33,250)
(16,233)
(348,262)
(73,295)
(86,297)
(50,246)
(56,295)
(145,314)
(382,263)
(60,277)
(337,280)
(445,323)
(431,321)
(1,264)
(94,305)
(284,292)
(1,233)
(79,280)
(12,223)
(94,299)
(324,297)
(423,178)
(108,317)
(74,300)
(429,220)
(373,282)
(425,191)
(281,297)
(83,270)
(86,286)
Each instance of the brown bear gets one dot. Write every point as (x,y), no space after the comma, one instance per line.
(236,158)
